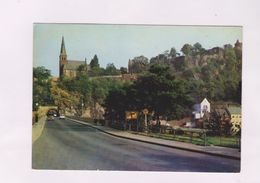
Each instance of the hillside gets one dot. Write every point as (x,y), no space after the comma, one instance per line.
(214,73)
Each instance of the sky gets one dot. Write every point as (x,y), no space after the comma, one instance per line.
(119,43)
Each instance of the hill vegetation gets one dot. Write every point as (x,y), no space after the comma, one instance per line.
(167,84)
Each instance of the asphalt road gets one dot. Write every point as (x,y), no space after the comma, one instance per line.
(65,145)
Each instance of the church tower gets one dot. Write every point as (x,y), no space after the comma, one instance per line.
(63,56)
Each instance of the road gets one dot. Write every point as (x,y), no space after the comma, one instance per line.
(67,145)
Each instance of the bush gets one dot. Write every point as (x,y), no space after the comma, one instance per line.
(178,131)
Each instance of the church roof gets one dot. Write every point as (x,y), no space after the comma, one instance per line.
(73,64)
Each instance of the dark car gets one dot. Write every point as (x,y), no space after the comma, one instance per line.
(50,118)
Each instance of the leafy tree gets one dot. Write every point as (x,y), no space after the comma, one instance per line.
(197,49)
(41,73)
(173,52)
(158,90)
(96,71)
(94,62)
(139,64)
(123,70)
(81,84)
(66,100)
(116,104)
(187,49)
(82,68)
(230,57)
(41,87)
(111,70)
(215,123)
(162,92)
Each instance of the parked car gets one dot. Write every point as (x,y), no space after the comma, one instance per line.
(50,118)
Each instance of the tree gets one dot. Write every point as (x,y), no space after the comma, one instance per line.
(96,71)
(197,49)
(81,84)
(41,73)
(116,110)
(111,69)
(187,49)
(123,70)
(41,87)
(230,56)
(139,64)
(66,100)
(94,62)
(82,68)
(158,90)
(173,52)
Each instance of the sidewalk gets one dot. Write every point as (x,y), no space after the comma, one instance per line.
(211,150)
(37,129)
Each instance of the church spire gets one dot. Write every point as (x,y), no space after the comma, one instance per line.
(62,49)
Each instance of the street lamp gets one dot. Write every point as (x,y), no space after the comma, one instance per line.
(82,105)
(36,106)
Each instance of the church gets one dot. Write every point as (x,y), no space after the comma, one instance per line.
(70,68)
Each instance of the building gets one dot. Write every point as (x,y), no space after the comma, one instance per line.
(235,114)
(201,113)
(238,45)
(200,109)
(70,68)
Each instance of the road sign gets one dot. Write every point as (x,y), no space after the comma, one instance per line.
(131,115)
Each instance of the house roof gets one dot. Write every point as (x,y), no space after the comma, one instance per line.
(234,110)
(73,64)
(205,100)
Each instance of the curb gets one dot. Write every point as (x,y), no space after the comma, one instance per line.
(37,130)
(155,143)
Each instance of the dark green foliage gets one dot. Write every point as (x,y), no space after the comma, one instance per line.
(139,64)
(82,68)
(81,84)
(94,62)
(157,90)
(111,70)
(197,49)
(96,71)
(173,52)
(115,104)
(123,70)
(187,49)
(41,87)
(215,123)
(180,64)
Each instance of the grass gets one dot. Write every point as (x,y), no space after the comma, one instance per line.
(197,139)
(232,142)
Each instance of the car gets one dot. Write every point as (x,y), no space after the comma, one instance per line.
(62,116)
(50,118)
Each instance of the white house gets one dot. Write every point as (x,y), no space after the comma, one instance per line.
(201,109)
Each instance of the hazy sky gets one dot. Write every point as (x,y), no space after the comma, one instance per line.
(119,43)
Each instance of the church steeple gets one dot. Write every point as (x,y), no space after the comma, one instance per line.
(62,49)
(63,57)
